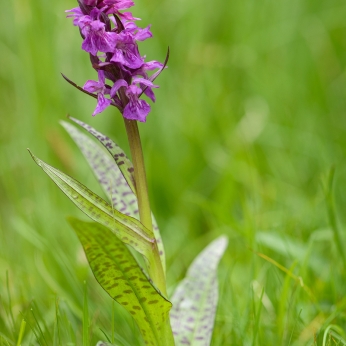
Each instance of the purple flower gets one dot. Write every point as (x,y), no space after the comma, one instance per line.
(137,33)
(100,88)
(135,109)
(150,65)
(110,36)
(114,6)
(76,13)
(126,51)
(96,37)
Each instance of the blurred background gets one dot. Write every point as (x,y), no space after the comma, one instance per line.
(248,124)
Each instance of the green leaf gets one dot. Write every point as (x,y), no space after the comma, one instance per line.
(195,298)
(86,320)
(119,156)
(118,273)
(21,332)
(106,171)
(113,175)
(128,229)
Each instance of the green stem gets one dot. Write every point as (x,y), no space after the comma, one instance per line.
(333,219)
(140,175)
(155,266)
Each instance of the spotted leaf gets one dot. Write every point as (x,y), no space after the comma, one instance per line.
(195,298)
(118,273)
(113,174)
(120,158)
(106,171)
(128,229)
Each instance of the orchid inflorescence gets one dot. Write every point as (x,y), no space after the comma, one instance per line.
(110,37)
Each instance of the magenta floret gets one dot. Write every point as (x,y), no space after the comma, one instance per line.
(110,37)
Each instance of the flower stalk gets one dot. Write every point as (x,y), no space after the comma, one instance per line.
(139,171)
(156,272)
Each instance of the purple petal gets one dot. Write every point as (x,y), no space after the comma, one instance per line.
(102,104)
(143,34)
(93,86)
(117,5)
(96,38)
(147,86)
(152,65)
(76,13)
(146,82)
(148,92)
(101,76)
(133,91)
(96,86)
(132,56)
(137,110)
(118,84)
(128,16)
(127,55)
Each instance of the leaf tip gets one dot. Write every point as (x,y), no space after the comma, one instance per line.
(221,243)
(73,119)
(37,161)
(64,124)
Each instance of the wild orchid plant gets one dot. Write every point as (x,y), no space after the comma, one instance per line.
(126,223)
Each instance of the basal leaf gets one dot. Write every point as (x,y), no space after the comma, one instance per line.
(195,298)
(113,175)
(118,273)
(128,229)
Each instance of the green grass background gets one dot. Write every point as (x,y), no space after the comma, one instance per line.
(248,126)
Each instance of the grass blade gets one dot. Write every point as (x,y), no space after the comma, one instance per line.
(339,241)
(21,333)
(86,320)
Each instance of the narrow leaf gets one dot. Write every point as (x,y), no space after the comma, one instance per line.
(86,321)
(195,298)
(128,229)
(118,273)
(111,174)
(117,153)
(106,171)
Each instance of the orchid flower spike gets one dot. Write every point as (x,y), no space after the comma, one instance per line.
(110,36)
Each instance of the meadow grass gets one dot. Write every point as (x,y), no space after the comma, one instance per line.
(247,138)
